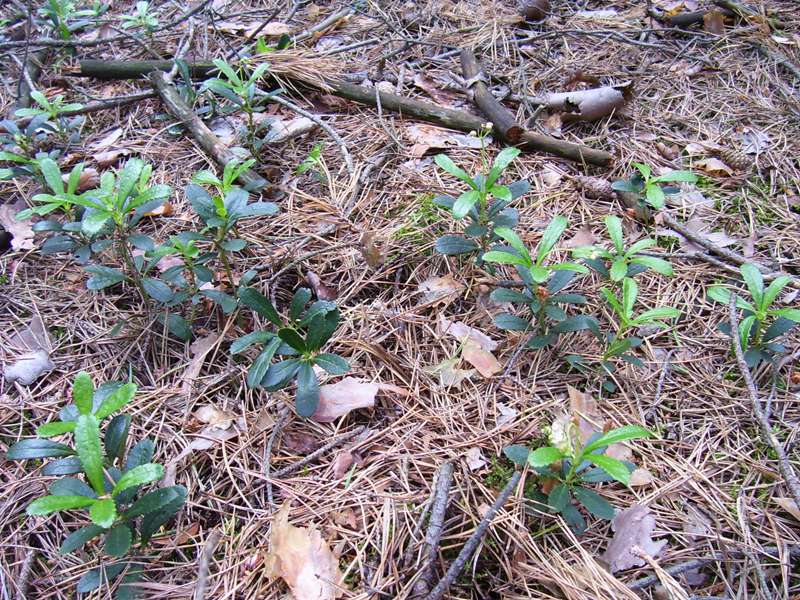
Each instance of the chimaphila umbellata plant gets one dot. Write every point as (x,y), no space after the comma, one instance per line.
(221,210)
(649,190)
(485,204)
(543,284)
(111,480)
(142,18)
(66,17)
(566,467)
(240,89)
(762,323)
(55,110)
(301,338)
(619,262)
(619,343)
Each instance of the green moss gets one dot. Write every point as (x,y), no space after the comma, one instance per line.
(425,214)
(499,473)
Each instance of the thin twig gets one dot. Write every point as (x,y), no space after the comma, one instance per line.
(276,429)
(205,563)
(435,526)
(659,388)
(25,574)
(784,466)
(472,543)
(311,457)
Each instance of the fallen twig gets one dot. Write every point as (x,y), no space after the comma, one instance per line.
(435,525)
(784,466)
(276,429)
(25,574)
(178,108)
(472,543)
(319,452)
(204,564)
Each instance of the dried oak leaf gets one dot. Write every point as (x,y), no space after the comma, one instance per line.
(461,331)
(29,367)
(322,291)
(300,557)
(439,289)
(714,167)
(338,399)
(483,360)
(632,529)
(21,231)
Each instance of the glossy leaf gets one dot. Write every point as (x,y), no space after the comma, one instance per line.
(615,468)
(156,500)
(116,436)
(116,400)
(103,512)
(262,363)
(259,303)
(71,486)
(50,504)
(453,245)
(146,473)
(558,498)
(83,392)
(542,457)
(55,428)
(79,537)
(615,436)
(307,398)
(594,503)
(87,442)
(332,363)
(118,540)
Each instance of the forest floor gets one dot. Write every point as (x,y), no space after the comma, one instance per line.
(700,99)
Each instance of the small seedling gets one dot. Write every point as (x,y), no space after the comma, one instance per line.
(62,14)
(239,89)
(543,282)
(619,263)
(762,324)
(23,142)
(485,203)
(565,468)
(617,344)
(221,210)
(60,197)
(53,110)
(649,189)
(142,18)
(112,479)
(303,336)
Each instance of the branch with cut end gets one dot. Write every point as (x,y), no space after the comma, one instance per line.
(407,107)
(472,543)
(784,466)
(434,534)
(179,109)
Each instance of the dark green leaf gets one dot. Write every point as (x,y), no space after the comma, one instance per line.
(79,537)
(299,300)
(64,466)
(307,398)
(778,328)
(141,241)
(558,498)
(321,328)
(146,473)
(509,322)
(280,374)
(118,540)
(116,400)
(93,579)
(577,323)
(262,362)
(574,519)
(155,519)
(244,342)
(505,295)
(594,503)
(227,302)
(234,245)
(332,363)
(156,500)
(157,289)
(517,454)
(36,448)
(291,337)
(259,303)
(177,326)
(116,436)
(103,277)
(140,454)
(452,245)
(58,243)
(71,486)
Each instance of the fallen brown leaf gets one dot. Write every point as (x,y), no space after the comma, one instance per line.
(475,459)
(485,362)
(342,463)
(714,22)
(214,417)
(300,557)
(632,528)
(462,331)
(370,251)
(640,477)
(449,374)
(714,167)
(338,399)
(199,349)
(21,231)
(584,237)
(322,291)
(439,289)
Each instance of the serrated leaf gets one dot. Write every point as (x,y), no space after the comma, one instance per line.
(157,289)
(55,428)
(71,486)
(146,473)
(103,512)
(615,468)
(83,392)
(50,504)
(615,436)
(87,443)
(116,400)
(79,537)
(558,498)
(542,457)
(517,454)
(118,540)
(156,501)
(93,579)
(103,277)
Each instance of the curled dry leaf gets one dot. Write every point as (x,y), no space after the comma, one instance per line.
(342,463)
(714,22)
(484,361)
(441,96)
(32,337)
(199,349)
(754,141)
(322,291)
(281,131)
(21,231)
(88,180)
(550,176)
(586,105)
(632,528)
(338,399)
(214,417)
(439,289)
(534,10)
(427,137)
(449,374)
(29,367)
(106,158)
(789,505)
(106,141)
(475,459)
(584,237)
(300,557)
(714,167)
(462,331)
(640,477)
(370,250)
(507,414)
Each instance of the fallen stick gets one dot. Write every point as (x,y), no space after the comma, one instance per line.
(472,543)
(503,119)
(33,68)
(179,109)
(276,429)
(784,466)
(425,111)
(684,19)
(434,534)
(23,581)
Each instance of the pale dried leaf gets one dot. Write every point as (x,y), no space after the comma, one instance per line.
(475,459)
(632,528)
(507,414)
(276,28)
(300,557)
(697,525)
(441,96)
(789,505)
(714,167)
(199,349)
(641,477)
(370,250)
(550,176)
(338,399)
(21,231)
(586,105)
(322,291)
(281,131)
(462,331)
(109,157)
(29,367)
(583,408)
(449,374)
(214,417)
(107,141)
(754,141)
(485,362)
(439,289)
(551,124)
(342,463)
(584,237)
(33,337)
